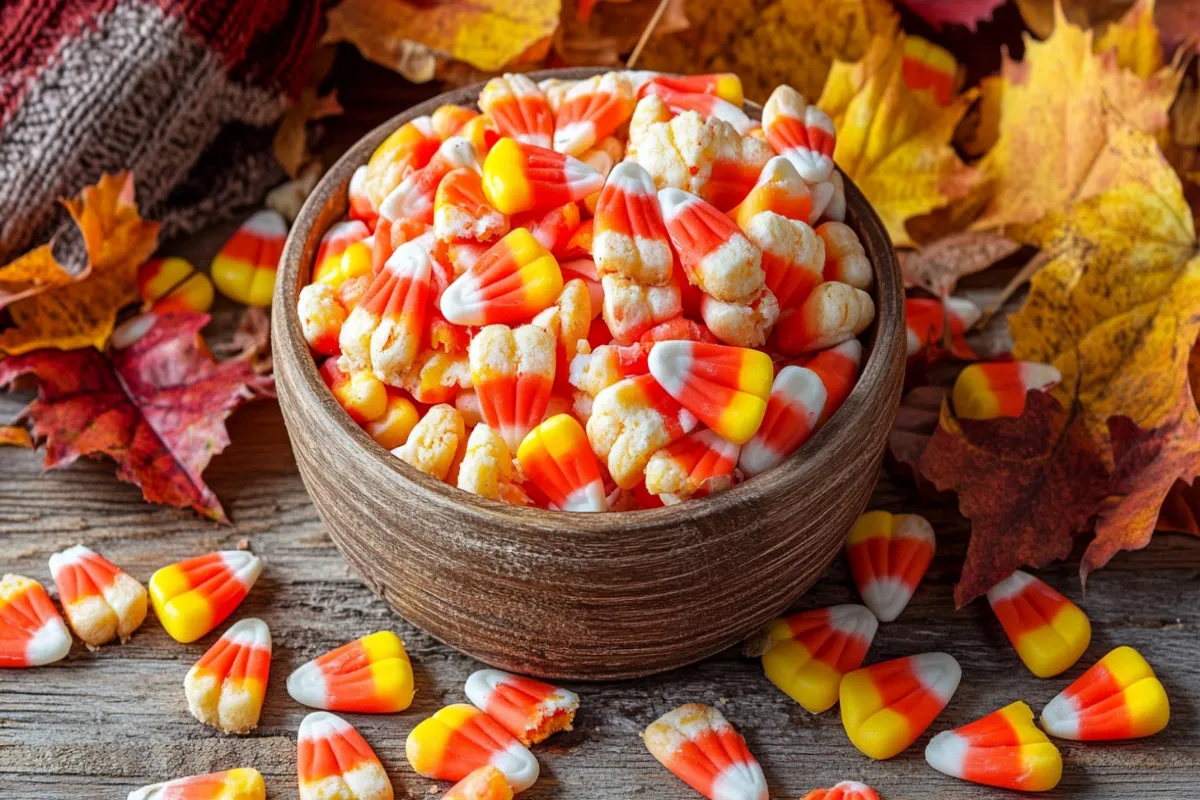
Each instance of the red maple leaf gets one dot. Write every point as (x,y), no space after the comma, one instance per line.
(156,404)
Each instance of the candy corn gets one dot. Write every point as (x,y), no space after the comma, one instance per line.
(522,177)
(557,458)
(226,687)
(487,465)
(1118,698)
(362,207)
(703,750)
(1049,632)
(436,376)
(321,318)
(706,105)
(392,427)
(838,370)
(519,109)
(885,707)
(334,762)
(32,634)
(334,244)
(407,149)
(591,110)
(102,602)
(741,324)
(715,254)
(1003,749)
(485,783)
(459,739)
(530,710)
(726,388)
(434,441)
(631,420)
(552,229)
(460,211)
(801,132)
(831,314)
(926,321)
(793,412)
(845,258)
(631,309)
(793,256)
(699,464)
(448,120)
(244,269)
(807,654)
(780,190)
(649,111)
(234,784)
(987,391)
(172,285)
(194,596)
(514,280)
(361,394)
(371,675)
(889,554)
(835,207)
(513,374)
(927,66)
(630,237)
(724,85)
(846,790)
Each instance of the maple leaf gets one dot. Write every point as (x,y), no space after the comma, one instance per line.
(936,267)
(32,273)
(1180,509)
(1135,40)
(894,141)
(1025,483)
(156,405)
(954,12)
(15,436)
(81,313)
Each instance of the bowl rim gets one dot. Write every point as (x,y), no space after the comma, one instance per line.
(883,352)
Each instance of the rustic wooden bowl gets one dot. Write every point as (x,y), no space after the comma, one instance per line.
(585,596)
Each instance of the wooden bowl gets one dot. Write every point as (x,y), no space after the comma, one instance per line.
(584,596)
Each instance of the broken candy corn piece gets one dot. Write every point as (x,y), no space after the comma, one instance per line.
(32,634)
(832,313)
(519,109)
(371,675)
(726,388)
(513,374)
(530,710)
(724,85)
(697,465)
(172,285)
(522,177)
(631,308)
(713,252)
(889,554)
(514,280)
(838,370)
(703,750)
(845,258)
(485,783)
(1118,698)
(244,269)
(846,790)
(557,458)
(631,420)
(1049,632)
(630,237)
(885,707)
(102,602)
(486,467)
(801,132)
(434,441)
(741,324)
(390,319)
(792,415)
(460,211)
(807,654)
(194,596)
(234,784)
(780,190)
(591,110)
(459,739)
(226,687)
(987,391)
(321,318)
(334,762)
(448,120)
(1004,749)
(926,319)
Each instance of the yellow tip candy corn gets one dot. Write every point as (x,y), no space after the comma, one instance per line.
(340,237)
(807,654)
(1049,632)
(703,750)
(32,634)
(987,391)
(459,739)
(780,190)
(885,707)
(846,790)
(1118,698)
(889,554)
(530,710)
(630,421)
(801,132)
(194,596)
(371,675)
(523,177)
(234,784)
(172,285)
(102,601)
(726,388)
(244,269)
(334,762)
(226,687)
(1003,749)
(514,280)
(724,85)
(557,458)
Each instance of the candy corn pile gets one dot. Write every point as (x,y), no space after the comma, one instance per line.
(606,294)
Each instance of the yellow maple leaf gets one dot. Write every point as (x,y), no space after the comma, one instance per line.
(1135,41)
(893,141)
(81,313)
(407,37)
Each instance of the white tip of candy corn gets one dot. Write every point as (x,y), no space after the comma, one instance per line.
(1060,718)
(887,597)
(307,685)
(939,673)
(51,643)
(947,753)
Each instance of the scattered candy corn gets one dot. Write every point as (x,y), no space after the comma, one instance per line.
(485,783)
(530,710)
(846,790)
(226,687)
(194,596)
(792,414)
(726,388)
(889,554)
(1118,698)
(556,457)
(715,254)
(1049,632)
(513,374)
(514,280)
(459,739)
(885,707)
(801,132)
(234,784)
(591,110)
(32,634)
(630,237)
(630,421)
(1003,749)
(334,762)
(927,321)
(519,109)
(699,464)
(102,602)
(244,269)
(703,750)
(987,391)
(172,285)
(523,177)
(371,675)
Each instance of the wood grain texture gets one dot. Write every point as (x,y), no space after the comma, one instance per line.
(595,595)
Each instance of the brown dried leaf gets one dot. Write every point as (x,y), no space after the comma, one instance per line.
(938,266)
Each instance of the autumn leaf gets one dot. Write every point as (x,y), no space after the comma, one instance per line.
(157,406)
(1180,510)
(15,436)
(954,12)
(937,267)
(81,313)
(1134,40)
(1039,15)
(916,420)
(291,145)
(32,273)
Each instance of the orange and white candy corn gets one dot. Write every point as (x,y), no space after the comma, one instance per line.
(244,269)
(371,675)
(1118,698)
(927,319)
(514,280)
(591,110)
(552,229)
(460,211)
(226,687)
(595,371)
(459,739)
(321,318)
(487,466)
(889,554)
(832,313)
(1048,631)
(630,421)
(32,634)
(434,441)
(779,189)
(801,132)
(485,783)
(706,105)
(557,458)
(886,707)
(437,376)
(845,258)
(360,393)
(193,596)
(707,753)
(630,237)
(172,285)
(513,374)
(724,85)
(405,150)
(102,602)
(697,465)
(987,391)
(793,256)
(838,370)
(334,762)
(1004,749)
(234,784)
(726,388)
(530,710)
(793,413)
(519,109)
(807,654)
(835,207)
(713,252)
(523,177)
(846,790)
(631,309)
(411,201)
